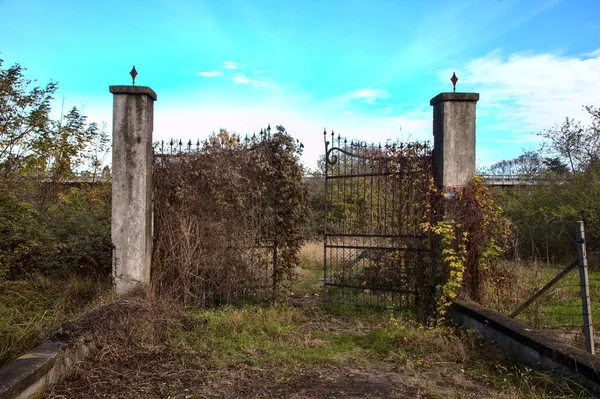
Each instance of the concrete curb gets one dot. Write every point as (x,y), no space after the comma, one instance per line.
(528,345)
(38,369)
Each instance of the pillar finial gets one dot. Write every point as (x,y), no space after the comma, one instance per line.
(454,79)
(133,74)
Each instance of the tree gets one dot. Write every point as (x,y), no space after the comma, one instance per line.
(47,223)
(577,145)
(37,150)
(24,116)
(530,164)
(543,215)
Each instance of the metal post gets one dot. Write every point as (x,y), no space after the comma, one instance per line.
(325,224)
(588,328)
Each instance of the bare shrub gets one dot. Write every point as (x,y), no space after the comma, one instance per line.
(229,219)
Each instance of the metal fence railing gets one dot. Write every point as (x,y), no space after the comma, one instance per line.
(565,303)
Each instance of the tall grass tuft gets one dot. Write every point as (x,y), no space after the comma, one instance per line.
(34,308)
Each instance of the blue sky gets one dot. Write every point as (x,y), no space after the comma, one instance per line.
(366,69)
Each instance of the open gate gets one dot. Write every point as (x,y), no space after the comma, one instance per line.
(375,250)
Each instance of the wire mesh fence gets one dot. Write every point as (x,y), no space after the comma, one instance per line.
(551,298)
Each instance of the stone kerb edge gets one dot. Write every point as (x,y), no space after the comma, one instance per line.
(41,367)
(553,353)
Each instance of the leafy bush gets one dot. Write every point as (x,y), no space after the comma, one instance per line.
(21,238)
(71,237)
(79,230)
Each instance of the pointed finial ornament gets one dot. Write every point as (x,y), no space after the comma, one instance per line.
(133,74)
(454,79)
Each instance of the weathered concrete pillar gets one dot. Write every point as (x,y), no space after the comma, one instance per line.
(131,226)
(454,138)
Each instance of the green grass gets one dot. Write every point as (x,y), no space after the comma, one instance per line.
(285,335)
(33,309)
(310,270)
(558,309)
(287,338)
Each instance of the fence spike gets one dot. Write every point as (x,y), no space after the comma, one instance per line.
(162,146)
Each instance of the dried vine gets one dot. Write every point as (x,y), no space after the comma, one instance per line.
(229,218)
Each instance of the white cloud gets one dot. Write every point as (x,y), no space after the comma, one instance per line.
(211,74)
(230,65)
(240,79)
(522,94)
(369,96)
(532,91)
(245,80)
(262,83)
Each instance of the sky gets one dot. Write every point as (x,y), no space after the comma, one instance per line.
(366,69)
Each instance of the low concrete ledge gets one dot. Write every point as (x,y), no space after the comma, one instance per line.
(38,369)
(529,346)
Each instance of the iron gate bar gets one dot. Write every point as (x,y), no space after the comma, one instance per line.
(377,235)
(375,288)
(378,248)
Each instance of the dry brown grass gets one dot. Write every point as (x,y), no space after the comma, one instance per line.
(312,251)
(33,308)
(131,350)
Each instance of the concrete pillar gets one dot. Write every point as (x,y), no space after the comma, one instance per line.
(131,224)
(454,138)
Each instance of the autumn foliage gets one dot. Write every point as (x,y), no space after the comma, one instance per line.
(229,219)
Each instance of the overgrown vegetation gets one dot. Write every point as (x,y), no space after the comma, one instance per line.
(470,233)
(560,185)
(54,213)
(150,349)
(55,248)
(566,170)
(32,309)
(230,219)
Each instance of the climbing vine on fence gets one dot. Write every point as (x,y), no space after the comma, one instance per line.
(229,217)
(470,233)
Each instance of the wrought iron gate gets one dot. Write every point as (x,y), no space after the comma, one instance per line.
(375,250)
